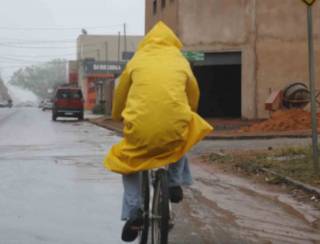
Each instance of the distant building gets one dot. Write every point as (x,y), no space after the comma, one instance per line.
(101,59)
(251,48)
(72,72)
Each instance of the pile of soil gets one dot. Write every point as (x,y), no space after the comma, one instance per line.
(284,120)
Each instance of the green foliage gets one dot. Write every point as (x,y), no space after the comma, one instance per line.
(293,162)
(4,95)
(294,151)
(40,78)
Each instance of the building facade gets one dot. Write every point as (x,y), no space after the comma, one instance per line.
(100,59)
(72,72)
(251,49)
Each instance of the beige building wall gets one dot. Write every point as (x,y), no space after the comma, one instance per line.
(282,49)
(105,47)
(270,34)
(223,26)
(72,66)
(168,14)
(102,48)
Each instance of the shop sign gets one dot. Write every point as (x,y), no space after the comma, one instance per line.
(194,56)
(94,67)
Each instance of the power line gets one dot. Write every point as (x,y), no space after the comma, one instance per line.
(40,56)
(22,66)
(43,46)
(32,40)
(13,42)
(56,28)
(26,45)
(35,47)
(17,59)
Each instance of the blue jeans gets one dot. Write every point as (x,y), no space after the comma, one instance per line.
(178,174)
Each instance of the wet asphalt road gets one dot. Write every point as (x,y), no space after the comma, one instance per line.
(54,189)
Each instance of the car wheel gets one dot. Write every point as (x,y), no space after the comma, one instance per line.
(81,117)
(54,116)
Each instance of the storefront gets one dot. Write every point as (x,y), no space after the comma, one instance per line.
(99,80)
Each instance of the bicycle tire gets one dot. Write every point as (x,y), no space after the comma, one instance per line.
(145,194)
(160,209)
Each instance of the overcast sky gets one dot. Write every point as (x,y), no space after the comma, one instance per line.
(34,31)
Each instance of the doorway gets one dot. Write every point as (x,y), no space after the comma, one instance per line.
(220,89)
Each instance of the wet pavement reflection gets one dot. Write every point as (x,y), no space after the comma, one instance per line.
(54,188)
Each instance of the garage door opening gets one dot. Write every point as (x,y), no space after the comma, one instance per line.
(220,87)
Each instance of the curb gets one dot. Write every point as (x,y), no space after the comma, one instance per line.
(252,137)
(117,131)
(298,184)
(288,180)
(218,137)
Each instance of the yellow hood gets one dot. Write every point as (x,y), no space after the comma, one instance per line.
(160,34)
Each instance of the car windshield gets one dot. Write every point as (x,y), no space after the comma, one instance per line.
(69,94)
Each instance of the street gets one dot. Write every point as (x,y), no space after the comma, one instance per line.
(53,186)
(54,189)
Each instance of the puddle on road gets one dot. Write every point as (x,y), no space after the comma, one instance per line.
(88,169)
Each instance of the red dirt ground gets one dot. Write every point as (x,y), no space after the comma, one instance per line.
(285,120)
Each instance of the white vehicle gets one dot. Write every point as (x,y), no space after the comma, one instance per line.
(46,105)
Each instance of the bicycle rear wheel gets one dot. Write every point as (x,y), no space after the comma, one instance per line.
(160,209)
(145,193)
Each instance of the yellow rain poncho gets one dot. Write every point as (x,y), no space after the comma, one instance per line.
(157,96)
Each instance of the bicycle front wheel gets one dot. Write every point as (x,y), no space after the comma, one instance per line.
(160,209)
(145,192)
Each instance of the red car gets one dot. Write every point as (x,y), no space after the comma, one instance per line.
(67,102)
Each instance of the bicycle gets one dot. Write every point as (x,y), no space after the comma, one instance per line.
(159,215)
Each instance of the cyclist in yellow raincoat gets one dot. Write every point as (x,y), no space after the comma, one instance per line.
(157,98)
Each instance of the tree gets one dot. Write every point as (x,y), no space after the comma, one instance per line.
(41,78)
(4,95)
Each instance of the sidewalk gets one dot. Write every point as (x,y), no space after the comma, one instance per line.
(88,115)
(224,129)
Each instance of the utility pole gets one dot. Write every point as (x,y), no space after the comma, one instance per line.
(98,55)
(106,50)
(119,42)
(125,36)
(315,149)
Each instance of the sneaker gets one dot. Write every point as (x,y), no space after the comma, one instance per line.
(131,228)
(175,194)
